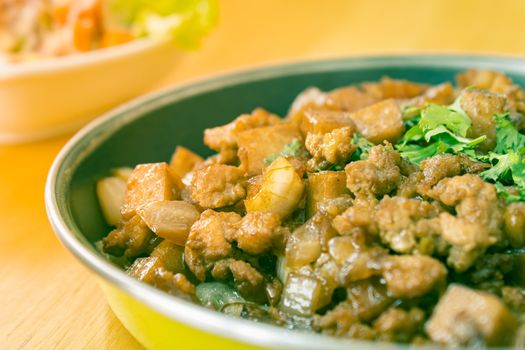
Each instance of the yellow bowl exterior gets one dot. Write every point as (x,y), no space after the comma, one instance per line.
(158,332)
(60,95)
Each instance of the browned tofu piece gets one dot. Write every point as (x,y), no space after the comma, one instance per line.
(464,314)
(223,137)
(322,186)
(379,122)
(442,94)
(410,276)
(148,183)
(323,121)
(394,88)
(183,161)
(496,82)
(311,98)
(349,99)
(257,144)
(481,106)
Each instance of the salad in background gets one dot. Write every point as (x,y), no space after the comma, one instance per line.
(38,29)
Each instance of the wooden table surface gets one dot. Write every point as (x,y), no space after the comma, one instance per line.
(50,301)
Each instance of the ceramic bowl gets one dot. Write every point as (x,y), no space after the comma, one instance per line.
(43,98)
(148,129)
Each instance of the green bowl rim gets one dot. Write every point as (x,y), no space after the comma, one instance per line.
(87,139)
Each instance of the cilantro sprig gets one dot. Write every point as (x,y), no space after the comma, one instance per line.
(439,129)
(507,160)
(293,149)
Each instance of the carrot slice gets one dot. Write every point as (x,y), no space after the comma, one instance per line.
(114,38)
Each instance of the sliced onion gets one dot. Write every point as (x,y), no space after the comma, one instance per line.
(281,191)
(110,192)
(171,220)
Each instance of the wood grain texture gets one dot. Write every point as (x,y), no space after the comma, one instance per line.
(50,301)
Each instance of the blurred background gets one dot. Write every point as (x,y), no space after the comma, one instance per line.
(49,300)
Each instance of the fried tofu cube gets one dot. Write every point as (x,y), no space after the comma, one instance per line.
(183,161)
(481,106)
(224,137)
(349,99)
(257,144)
(379,122)
(324,121)
(442,94)
(394,88)
(463,314)
(148,183)
(322,186)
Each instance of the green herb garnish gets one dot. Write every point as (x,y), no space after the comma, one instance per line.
(440,129)
(293,149)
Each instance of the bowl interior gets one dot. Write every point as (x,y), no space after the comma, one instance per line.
(148,130)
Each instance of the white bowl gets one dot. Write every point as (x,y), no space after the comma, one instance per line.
(40,99)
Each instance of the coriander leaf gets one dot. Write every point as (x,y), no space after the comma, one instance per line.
(442,130)
(293,149)
(456,106)
(363,146)
(413,134)
(416,153)
(269,160)
(501,170)
(507,136)
(510,194)
(436,115)
(411,112)
(329,167)
(518,173)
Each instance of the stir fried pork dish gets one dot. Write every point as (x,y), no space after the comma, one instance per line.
(388,210)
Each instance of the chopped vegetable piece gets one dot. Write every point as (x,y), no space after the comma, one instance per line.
(111,192)
(301,295)
(171,220)
(147,183)
(281,191)
(217,295)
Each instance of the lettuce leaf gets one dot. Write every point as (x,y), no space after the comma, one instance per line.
(184,21)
